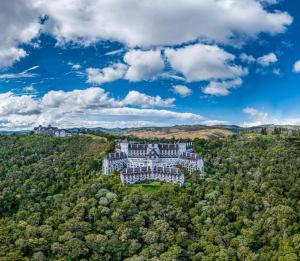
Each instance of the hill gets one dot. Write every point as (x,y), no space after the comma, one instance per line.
(55,205)
(195,131)
(178,132)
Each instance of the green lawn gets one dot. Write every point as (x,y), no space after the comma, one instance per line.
(149,187)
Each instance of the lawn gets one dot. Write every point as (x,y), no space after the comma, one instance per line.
(149,187)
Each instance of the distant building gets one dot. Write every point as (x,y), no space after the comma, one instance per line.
(158,161)
(52,131)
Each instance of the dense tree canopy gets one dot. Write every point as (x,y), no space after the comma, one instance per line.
(56,205)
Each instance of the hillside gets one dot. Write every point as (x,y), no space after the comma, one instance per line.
(193,131)
(56,206)
(174,133)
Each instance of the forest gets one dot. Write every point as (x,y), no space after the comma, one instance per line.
(56,205)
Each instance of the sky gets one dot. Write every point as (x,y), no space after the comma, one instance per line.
(135,63)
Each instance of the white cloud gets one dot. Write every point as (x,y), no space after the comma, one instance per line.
(275,121)
(25,74)
(32,68)
(143,100)
(297,67)
(143,65)
(21,105)
(90,107)
(168,22)
(125,111)
(20,24)
(204,62)
(11,55)
(267,59)
(108,74)
(214,122)
(255,113)
(29,89)
(247,58)
(221,88)
(277,71)
(140,65)
(264,60)
(133,22)
(182,90)
(76,66)
(258,117)
(289,121)
(98,98)
(78,100)
(115,52)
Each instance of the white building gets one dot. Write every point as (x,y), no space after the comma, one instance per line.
(158,161)
(52,131)
(140,174)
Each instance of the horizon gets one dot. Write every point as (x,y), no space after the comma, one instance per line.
(113,64)
(145,127)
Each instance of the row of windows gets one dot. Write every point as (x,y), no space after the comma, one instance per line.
(138,178)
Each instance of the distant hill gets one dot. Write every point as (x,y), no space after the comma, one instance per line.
(195,131)
(179,131)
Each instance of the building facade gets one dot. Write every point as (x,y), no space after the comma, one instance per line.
(152,161)
(52,131)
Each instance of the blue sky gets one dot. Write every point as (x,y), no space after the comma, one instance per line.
(131,63)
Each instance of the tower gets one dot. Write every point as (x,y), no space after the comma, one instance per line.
(124,146)
(181,147)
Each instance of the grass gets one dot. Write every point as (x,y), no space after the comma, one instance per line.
(180,134)
(148,187)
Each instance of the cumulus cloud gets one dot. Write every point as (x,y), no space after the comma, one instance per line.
(140,65)
(260,118)
(108,74)
(267,59)
(221,88)
(247,58)
(143,65)
(182,90)
(20,105)
(169,22)
(95,97)
(201,62)
(78,99)
(20,24)
(29,89)
(92,106)
(138,25)
(255,113)
(143,100)
(11,55)
(297,67)
(257,117)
